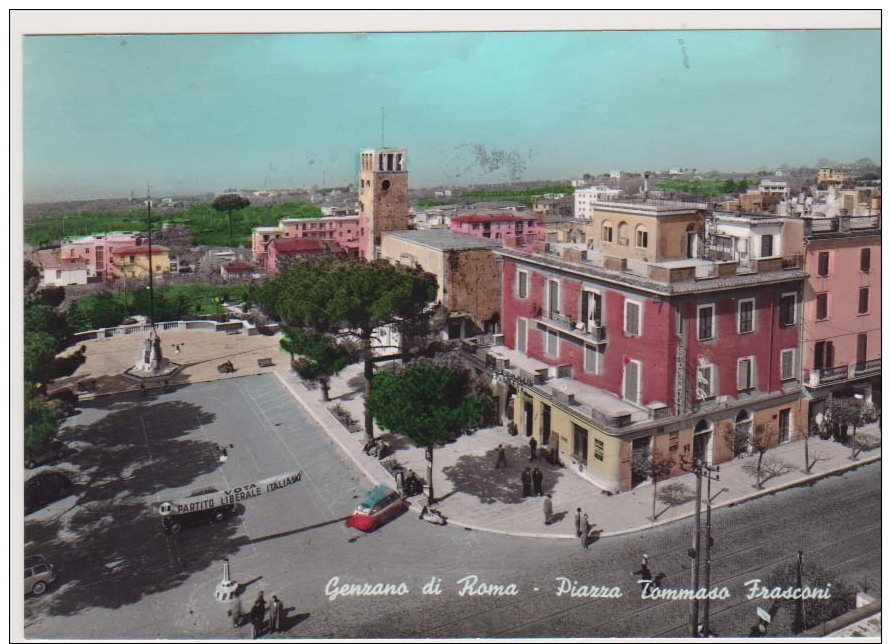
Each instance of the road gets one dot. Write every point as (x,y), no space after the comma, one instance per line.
(121,577)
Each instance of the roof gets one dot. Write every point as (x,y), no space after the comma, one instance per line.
(287,245)
(139,250)
(238,267)
(49,260)
(442,239)
(490,217)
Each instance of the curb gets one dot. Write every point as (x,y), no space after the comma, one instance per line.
(539,535)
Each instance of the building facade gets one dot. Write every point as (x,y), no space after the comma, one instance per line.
(133,261)
(605,357)
(342,229)
(383,197)
(97,251)
(842,333)
(584,199)
(280,251)
(508,228)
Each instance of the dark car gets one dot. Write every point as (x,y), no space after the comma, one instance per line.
(44,488)
(381,505)
(174,523)
(52,452)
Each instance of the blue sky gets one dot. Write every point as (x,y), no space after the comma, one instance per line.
(104,115)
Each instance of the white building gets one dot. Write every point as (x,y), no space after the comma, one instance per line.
(57,271)
(768,187)
(586,198)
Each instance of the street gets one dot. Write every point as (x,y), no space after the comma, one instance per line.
(120,576)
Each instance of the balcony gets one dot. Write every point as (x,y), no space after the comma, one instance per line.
(592,332)
(823,377)
(870,366)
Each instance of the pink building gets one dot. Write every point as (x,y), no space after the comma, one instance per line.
(343,229)
(97,251)
(509,228)
(842,339)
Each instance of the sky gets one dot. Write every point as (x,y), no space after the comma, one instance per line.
(188,114)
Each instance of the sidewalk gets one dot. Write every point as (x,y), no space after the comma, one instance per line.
(475,495)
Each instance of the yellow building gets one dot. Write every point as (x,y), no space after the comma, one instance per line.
(133,261)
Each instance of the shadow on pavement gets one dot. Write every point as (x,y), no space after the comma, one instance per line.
(288,533)
(475,475)
(109,548)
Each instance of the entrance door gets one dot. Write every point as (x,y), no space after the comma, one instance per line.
(640,448)
(691,244)
(527,415)
(785,425)
(702,442)
(545,425)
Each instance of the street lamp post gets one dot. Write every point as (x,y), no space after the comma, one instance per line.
(798,624)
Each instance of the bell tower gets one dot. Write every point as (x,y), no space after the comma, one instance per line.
(383,197)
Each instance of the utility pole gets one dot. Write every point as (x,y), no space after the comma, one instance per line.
(706,631)
(150,261)
(798,623)
(700,469)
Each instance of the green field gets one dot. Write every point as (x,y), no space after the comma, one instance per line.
(211,228)
(521,196)
(706,187)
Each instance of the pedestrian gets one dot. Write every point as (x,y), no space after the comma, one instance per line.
(537,477)
(548,510)
(502,457)
(644,572)
(512,428)
(275,615)
(586,528)
(399,475)
(526,478)
(258,616)
(578,522)
(533,445)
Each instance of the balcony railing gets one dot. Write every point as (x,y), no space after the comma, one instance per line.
(868,367)
(593,331)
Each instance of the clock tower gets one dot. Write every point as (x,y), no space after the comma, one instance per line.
(383,197)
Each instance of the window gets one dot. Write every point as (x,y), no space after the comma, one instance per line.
(863,304)
(745,316)
(864,260)
(861,349)
(767,246)
(787,364)
(744,373)
(785,425)
(641,237)
(598,449)
(580,443)
(680,321)
(522,325)
(553,301)
(552,343)
(823,264)
(705,386)
(742,433)
(631,382)
(824,355)
(632,318)
(822,306)
(607,232)
(788,304)
(706,316)
(673,441)
(522,284)
(593,359)
(58,274)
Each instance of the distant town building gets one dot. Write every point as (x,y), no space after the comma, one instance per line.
(586,198)
(341,229)
(280,251)
(553,206)
(235,270)
(830,176)
(133,261)
(98,251)
(513,229)
(56,271)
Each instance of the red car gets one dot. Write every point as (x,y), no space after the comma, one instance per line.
(381,504)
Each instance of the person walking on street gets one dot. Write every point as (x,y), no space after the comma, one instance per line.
(644,572)
(275,615)
(536,482)
(533,445)
(258,616)
(526,478)
(586,528)
(578,522)
(502,457)
(548,510)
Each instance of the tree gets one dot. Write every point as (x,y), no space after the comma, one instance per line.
(50,296)
(815,611)
(344,298)
(41,318)
(763,438)
(863,442)
(31,277)
(40,351)
(96,311)
(842,413)
(228,203)
(655,466)
(426,404)
(321,357)
(41,420)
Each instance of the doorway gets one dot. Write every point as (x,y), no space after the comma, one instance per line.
(702,442)
(527,416)
(640,449)
(545,424)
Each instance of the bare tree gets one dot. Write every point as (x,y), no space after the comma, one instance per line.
(767,467)
(862,443)
(655,466)
(763,438)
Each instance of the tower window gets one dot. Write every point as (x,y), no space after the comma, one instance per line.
(385,184)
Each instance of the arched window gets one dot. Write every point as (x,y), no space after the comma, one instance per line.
(607,232)
(623,234)
(641,237)
(742,432)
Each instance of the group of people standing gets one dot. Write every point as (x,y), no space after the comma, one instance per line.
(257,615)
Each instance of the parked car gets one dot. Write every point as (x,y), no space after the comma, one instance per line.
(381,505)
(44,488)
(174,523)
(38,573)
(53,451)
